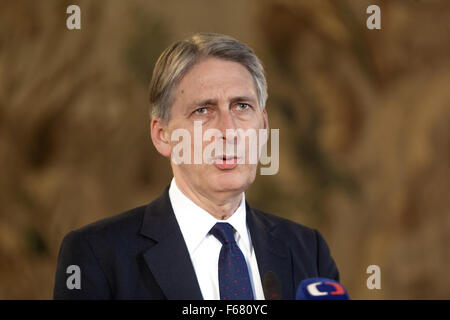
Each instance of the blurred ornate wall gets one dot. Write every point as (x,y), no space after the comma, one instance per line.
(363,115)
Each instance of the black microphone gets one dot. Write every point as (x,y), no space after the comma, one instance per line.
(272,286)
(321,289)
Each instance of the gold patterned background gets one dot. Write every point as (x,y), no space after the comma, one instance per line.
(363,116)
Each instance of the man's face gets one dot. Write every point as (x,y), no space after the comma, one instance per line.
(222,95)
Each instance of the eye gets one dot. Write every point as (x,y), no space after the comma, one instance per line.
(202,110)
(243,106)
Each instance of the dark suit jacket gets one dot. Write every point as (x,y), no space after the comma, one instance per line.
(141,254)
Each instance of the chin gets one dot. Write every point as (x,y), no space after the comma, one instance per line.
(232,181)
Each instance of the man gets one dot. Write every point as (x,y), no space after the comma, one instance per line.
(200,239)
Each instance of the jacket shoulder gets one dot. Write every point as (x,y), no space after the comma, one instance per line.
(94,249)
(282,227)
(123,224)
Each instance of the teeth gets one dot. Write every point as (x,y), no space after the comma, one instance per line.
(226,158)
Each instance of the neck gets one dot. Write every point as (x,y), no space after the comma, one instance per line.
(221,206)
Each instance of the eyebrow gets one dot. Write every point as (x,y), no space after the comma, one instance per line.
(243,99)
(214,101)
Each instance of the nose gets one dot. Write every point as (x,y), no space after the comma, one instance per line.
(226,122)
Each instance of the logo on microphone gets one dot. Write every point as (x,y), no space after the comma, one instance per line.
(321,289)
(324,290)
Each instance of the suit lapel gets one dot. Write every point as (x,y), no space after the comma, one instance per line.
(271,254)
(169,259)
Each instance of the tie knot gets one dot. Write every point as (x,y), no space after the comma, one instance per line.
(224,232)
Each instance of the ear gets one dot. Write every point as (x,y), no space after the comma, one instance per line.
(160,136)
(266,119)
(266,124)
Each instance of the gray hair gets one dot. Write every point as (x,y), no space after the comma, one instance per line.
(177,60)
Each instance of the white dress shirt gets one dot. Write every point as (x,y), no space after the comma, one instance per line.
(204,249)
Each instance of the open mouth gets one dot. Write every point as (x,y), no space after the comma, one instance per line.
(226,162)
(228,158)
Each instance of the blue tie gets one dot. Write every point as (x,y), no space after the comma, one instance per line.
(234,280)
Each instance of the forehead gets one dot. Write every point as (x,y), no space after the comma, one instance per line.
(214,78)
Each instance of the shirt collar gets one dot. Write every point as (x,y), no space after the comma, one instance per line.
(196,222)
